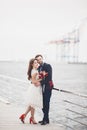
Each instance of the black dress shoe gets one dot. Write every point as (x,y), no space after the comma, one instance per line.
(40,121)
(45,122)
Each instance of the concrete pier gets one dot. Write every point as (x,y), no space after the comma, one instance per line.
(9,119)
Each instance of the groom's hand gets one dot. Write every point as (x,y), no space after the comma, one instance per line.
(37,84)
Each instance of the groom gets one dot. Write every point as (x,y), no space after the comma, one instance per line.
(47,86)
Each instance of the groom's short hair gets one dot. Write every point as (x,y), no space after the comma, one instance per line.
(38,55)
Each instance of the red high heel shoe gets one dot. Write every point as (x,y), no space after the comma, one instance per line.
(32,121)
(22,118)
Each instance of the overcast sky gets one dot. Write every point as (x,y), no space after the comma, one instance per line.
(26,26)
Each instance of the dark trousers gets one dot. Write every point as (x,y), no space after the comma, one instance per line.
(46,104)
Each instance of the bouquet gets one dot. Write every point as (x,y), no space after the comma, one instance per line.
(43,74)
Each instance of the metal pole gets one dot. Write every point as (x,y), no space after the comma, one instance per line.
(65,91)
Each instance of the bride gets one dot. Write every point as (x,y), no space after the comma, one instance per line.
(34,94)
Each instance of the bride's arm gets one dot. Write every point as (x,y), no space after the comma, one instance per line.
(34,79)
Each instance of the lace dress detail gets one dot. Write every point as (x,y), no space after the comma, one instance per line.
(34,94)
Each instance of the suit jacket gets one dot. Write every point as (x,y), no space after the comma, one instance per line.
(48,79)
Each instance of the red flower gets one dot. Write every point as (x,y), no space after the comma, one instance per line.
(43,74)
(51,84)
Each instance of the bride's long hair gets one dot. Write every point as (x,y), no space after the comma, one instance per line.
(30,67)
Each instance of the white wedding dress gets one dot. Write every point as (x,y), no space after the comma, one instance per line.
(34,94)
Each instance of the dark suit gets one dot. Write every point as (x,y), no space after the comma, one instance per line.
(47,85)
